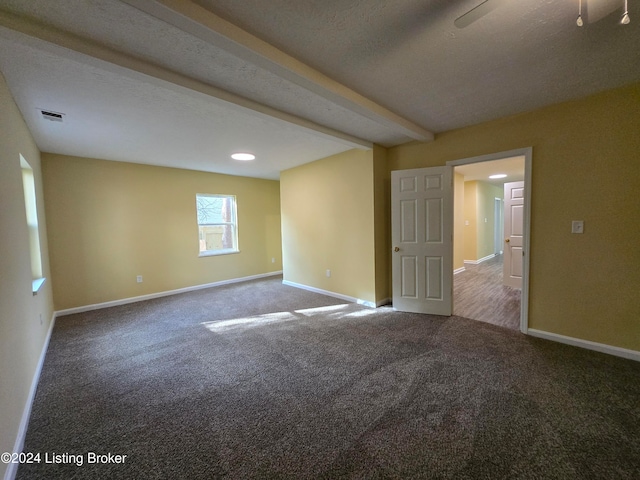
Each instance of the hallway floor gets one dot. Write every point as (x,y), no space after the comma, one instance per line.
(480,295)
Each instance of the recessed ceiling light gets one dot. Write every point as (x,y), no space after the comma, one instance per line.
(243,156)
(498,175)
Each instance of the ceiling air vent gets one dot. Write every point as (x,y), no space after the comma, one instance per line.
(52,116)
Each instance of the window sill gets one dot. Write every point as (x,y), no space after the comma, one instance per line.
(37,284)
(217,252)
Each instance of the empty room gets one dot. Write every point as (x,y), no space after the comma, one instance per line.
(373,239)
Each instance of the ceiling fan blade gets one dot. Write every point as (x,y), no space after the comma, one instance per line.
(476,13)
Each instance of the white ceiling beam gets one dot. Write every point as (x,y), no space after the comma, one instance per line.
(106,57)
(205,25)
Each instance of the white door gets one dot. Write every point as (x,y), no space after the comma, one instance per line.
(422,240)
(513,234)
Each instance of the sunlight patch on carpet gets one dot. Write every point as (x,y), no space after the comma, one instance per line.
(327,312)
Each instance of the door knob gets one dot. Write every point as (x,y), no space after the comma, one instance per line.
(397,249)
(507,240)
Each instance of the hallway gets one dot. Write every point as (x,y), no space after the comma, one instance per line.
(479,294)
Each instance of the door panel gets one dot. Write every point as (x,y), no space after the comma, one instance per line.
(514,231)
(434,220)
(409,221)
(517,215)
(434,272)
(409,277)
(422,235)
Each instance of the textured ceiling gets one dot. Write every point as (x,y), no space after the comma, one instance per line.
(185,83)
(409,56)
(135,118)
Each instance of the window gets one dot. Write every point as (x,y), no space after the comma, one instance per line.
(31,210)
(217,224)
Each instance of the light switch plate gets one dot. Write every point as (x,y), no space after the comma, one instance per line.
(577,226)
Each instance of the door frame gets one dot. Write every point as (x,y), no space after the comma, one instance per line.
(498,227)
(527,152)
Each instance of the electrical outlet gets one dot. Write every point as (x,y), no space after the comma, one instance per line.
(139,279)
(273,260)
(328,273)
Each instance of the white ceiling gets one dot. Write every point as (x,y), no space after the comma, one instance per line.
(185,83)
(512,167)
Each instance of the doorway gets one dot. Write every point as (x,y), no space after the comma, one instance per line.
(479,292)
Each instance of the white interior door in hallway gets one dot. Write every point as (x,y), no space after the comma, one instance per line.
(514,234)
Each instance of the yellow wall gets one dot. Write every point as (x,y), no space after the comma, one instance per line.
(110,221)
(485,218)
(328,223)
(24,318)
(585,167)
(382,223)
(470,221)
(458,221)
(478,241)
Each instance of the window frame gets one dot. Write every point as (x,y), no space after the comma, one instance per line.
(233,224)
(32,222)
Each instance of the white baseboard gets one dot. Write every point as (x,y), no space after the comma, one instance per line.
(331,294)
(459,270)
(150,296)
(12,468)
(577,342)
(480,260)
